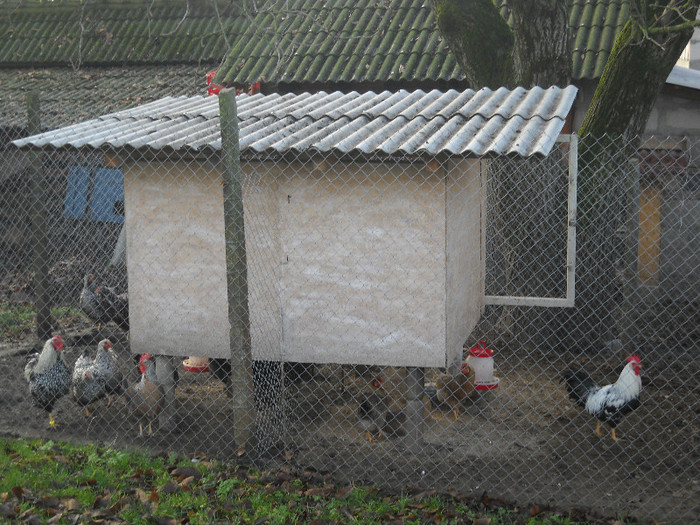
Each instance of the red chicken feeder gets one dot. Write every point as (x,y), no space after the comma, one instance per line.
(196,364)
(481,361)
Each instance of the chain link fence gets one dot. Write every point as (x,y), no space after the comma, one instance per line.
(362,276)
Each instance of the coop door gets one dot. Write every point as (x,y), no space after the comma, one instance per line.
(529,231)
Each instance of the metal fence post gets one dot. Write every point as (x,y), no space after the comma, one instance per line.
(631,256)
(236,270)
(38,218)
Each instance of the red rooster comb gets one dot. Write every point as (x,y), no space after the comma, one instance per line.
(144,357)
(634,358)
(57,342)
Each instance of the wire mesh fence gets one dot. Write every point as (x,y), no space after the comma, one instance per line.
(359,287)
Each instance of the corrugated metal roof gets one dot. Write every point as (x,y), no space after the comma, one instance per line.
(519,121)
(684,77)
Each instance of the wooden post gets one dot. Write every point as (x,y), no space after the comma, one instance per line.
(630,258)
(236,271)
(39,238)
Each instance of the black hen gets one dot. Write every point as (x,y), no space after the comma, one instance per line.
(115,306)
(377,415)
(103,304)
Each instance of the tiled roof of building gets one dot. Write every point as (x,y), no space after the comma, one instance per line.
(68,96)
(109,32)
(389,41)
(292,41)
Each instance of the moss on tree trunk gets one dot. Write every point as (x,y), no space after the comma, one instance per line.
(632,79)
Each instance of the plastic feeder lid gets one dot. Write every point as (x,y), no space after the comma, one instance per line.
(196,364)
(480,350)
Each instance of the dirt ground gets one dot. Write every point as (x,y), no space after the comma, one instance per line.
(523,442)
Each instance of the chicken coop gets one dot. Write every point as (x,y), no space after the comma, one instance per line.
(364,218)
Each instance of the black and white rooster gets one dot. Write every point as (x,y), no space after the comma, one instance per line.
(610,402)
(48,376)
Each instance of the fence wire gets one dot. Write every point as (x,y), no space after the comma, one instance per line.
(362,293)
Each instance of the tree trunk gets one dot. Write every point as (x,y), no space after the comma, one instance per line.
(480,39)
(536,52)
(632,79)
(541,51)
(636,71)
(526,202)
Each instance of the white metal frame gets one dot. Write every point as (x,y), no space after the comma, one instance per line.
(560,302)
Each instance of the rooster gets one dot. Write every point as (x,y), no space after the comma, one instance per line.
(377,416)
(610,402)
(146,397)
(48,376)
(95,379)
(452,389)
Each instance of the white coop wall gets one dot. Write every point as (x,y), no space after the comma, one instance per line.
(176,259)
(378,264)
(352,263)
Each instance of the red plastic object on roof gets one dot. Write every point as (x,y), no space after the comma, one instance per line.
(213,88)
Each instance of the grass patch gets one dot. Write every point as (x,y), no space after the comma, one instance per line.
(42,481)
(18,320)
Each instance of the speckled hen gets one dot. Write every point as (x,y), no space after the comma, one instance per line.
(95,379)
(48,376)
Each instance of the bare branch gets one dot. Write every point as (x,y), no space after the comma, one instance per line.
(76,65)
(187,12)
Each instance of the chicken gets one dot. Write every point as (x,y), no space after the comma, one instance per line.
(610,402)
(89,302)
(95,379)
(48,376)
(103,304)
(115,306)
(377,414)
(221,369)
(146,397)
(106,360)
(454,389)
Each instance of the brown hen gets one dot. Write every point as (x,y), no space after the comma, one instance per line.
(454,389)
